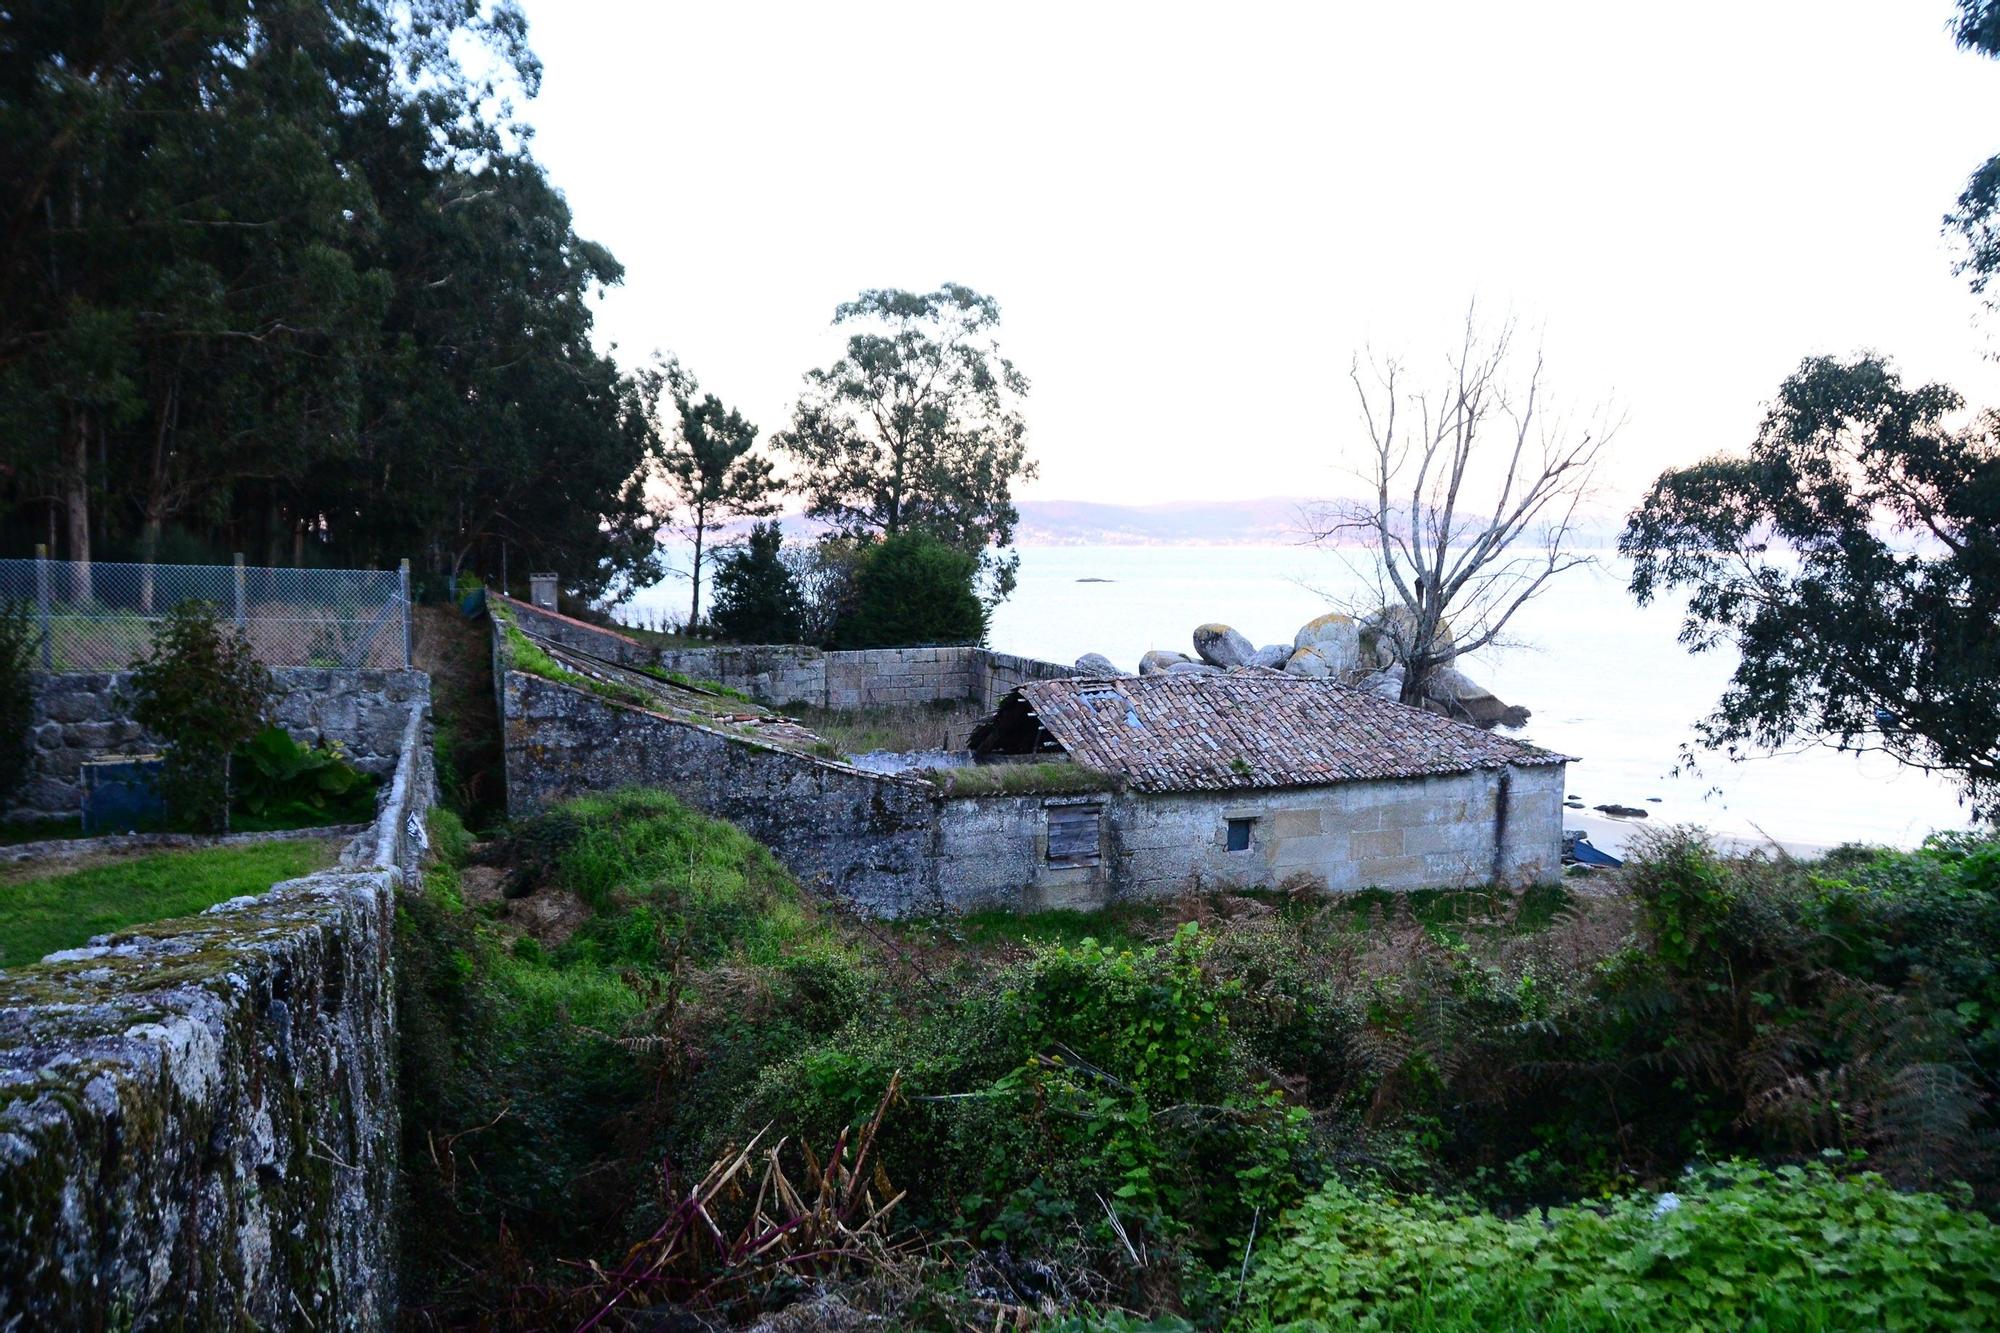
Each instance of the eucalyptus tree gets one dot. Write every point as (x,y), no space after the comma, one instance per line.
(1851,557)
(918,427)
(284,275)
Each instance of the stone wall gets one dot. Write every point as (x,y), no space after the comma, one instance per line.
(577,635)
(198,1121)
(863,837)
(896,846)
(78,717)
(1415,833)
(779,674)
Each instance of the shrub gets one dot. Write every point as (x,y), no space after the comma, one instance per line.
(202,692)
(663,880)
(18,639)
(914,589)
(280,781)
(825,575)
(1738,1246)
(756,598)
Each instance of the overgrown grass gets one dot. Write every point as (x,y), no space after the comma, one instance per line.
(1043,779)
(40,913)
(942,725)
(529,656)
(1096,1110)
(553,1078)
(688,682)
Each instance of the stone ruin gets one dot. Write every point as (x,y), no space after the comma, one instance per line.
(1359,654)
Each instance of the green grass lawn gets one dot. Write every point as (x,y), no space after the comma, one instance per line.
(62,908)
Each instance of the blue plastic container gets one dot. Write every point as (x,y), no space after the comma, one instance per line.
(120,794)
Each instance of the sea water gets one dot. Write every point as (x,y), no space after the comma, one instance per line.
(1607,680)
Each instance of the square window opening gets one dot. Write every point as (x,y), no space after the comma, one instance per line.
(1238,836)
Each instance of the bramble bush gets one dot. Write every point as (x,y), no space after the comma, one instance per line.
(1734,1246)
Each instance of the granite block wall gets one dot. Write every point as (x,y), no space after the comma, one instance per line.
(80,716)
(862,837)
(198,1118)
(780,674)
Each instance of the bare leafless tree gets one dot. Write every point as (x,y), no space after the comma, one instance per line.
(1476,487)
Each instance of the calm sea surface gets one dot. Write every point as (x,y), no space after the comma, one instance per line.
(1607,681)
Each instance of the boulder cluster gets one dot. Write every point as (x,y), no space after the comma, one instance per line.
(1359,654)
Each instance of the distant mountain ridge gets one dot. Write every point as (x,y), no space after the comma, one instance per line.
(1272,521)
(1277,520)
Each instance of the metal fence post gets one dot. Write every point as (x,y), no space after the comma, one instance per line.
(403,590)
(242,621)
(42,604)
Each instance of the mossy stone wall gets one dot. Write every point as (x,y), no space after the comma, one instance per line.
(198,1119)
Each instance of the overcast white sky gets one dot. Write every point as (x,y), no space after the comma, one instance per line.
(1193,215)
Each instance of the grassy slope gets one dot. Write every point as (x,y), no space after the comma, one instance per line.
(61,910)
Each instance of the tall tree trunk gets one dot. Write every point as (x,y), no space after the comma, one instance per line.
(149,550)
(76,507)
(694,610)
(156,500)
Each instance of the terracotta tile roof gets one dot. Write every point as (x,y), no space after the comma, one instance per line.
(1261,729)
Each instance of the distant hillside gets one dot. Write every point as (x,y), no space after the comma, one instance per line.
(1275,520)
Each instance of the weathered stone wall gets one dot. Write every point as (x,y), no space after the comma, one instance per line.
(864,837)
(79,717)
(577,635)
(895,846)
(198,1120)
(1414,833)
(780,674)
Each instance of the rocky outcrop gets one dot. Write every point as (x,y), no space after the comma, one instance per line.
(1309,663)
(1335,637)
(1272,656)
(1096,664)
(1461,697)
(1220,646)
(1359,653)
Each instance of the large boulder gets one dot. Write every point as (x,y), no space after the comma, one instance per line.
(1335,637)
(1096,664)
(1221,646)
(1193,669)
(1158,660)
(1307,662)
(1272,656)
(1384,684)
(1458,695)
(1387,626)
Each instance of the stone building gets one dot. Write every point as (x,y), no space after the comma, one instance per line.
(1245,779)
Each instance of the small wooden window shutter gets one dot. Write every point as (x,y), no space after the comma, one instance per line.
(1075,834)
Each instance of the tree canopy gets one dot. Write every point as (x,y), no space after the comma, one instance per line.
(710,467)
(1852,556)
(918,427)
(756,598)
(285,278)
(913,589)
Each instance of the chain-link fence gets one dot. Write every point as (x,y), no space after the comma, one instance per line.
(101,616)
